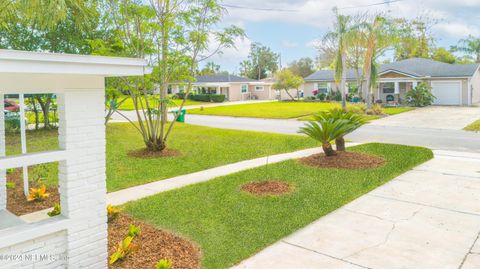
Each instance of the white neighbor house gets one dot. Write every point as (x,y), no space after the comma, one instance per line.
(78,237)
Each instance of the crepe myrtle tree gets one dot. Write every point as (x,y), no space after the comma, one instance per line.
(287,80)
(174,36)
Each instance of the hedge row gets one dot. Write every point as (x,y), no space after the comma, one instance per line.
(217,98)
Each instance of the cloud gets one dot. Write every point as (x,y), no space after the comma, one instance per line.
(289,44)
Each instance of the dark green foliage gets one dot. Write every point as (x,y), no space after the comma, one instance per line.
(217,98)
(420,96)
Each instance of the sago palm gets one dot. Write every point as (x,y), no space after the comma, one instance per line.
(354,121)
(325,131)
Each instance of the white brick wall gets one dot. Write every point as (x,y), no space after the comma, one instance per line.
(82,176)
(45,252)
(3,189)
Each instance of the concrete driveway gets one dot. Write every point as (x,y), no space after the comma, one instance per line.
(427,218)
(434,117)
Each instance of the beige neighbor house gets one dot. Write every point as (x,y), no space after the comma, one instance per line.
(452,84)
(235,88)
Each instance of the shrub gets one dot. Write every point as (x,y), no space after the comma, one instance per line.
(420,96)
(357,108)
(353,122)
(10,185)
(56,211)
(217,98)
(112,212)
(324,131)
(314,92)
(180,95)
(164,264)
(126,246)
(38,194)
(133,230)
(321,96)
(123,249)
(310,98)
(11,171)
(375,110)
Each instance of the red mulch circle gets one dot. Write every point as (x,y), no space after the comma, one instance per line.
(144,153)
(153,245)
(17,202)
(267,188)
(344,160)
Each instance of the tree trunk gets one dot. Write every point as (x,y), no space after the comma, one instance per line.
(343,82)
(340,144)
(328,149)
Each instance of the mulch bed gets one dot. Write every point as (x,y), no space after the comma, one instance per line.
(153,245)
(344,160)
(144,153)
(267,188)
(17,202)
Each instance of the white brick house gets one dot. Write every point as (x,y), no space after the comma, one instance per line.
(78,237)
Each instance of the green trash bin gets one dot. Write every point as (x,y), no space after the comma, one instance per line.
(181,114)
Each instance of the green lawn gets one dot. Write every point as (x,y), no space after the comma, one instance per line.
(474,126)
(41,140)
(230,225)
(388,110)
(396,110)
(201,148)
(282,110)
(128,104)
(271,110)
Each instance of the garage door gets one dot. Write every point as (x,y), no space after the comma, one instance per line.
(447,92)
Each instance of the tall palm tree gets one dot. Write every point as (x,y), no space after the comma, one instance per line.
(470,46)
(343,33)
(380,36)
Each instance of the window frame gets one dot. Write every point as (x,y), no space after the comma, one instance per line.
(246,88)
(259,86)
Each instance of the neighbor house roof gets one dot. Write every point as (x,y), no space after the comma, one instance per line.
(418,67)
(415,67)
(222,78)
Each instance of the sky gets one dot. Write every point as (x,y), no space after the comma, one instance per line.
(291,27)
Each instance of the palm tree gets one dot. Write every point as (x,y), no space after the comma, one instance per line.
(379,37)
(354,121)
(470,46)
(342,33)
(325,131)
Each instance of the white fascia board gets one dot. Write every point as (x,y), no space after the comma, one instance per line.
(25,62)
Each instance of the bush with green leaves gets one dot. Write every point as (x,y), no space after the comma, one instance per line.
(420,96)
(164,264)
(353,122)
(325,131)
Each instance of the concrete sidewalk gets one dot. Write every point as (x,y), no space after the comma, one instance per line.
(426,218)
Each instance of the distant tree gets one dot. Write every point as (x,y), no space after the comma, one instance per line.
(261,61)
(286,80)
(415,38)
(443,55)
(303,67)
(470,46)
(210,68)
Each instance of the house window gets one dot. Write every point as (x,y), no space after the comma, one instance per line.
(322,87)
(388,87)
(258,88)
(244,88)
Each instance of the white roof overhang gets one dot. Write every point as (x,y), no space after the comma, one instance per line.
(25,62)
